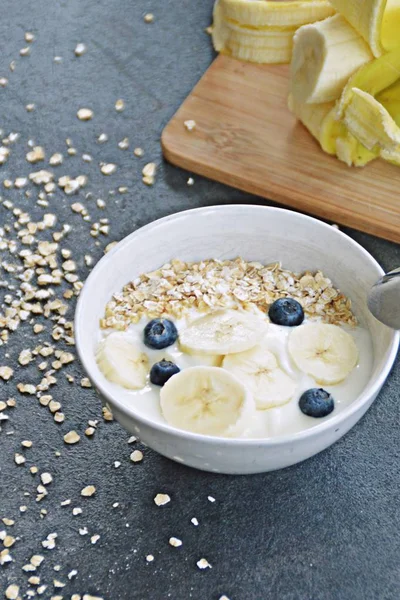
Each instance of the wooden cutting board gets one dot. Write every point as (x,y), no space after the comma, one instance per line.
(245,137)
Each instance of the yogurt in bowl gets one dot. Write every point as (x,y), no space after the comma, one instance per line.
(281,334)
(272,436)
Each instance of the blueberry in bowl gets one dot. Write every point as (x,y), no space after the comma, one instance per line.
(286,311)
(162,371)
(316,402)
(160,333)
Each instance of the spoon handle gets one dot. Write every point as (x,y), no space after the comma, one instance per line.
(391,275)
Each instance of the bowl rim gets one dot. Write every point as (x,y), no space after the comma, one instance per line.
(363,398)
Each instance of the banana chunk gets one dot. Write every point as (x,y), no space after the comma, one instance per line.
(222,332)
(122,361)
(207,400)
(326,352)
(325,55)
(258,369)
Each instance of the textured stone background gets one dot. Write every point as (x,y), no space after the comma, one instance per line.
(327,529)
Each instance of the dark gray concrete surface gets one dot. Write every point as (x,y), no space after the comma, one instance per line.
(327,529)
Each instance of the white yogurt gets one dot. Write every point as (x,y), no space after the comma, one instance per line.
(283,420)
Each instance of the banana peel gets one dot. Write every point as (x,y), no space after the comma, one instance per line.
(370,106)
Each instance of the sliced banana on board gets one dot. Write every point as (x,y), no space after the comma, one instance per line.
(122,361)
(326,352)
(207,400)
(222,332)
(258,369)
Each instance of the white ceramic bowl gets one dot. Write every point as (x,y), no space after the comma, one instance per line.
(256,233)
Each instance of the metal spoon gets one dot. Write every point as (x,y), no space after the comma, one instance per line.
(384,299)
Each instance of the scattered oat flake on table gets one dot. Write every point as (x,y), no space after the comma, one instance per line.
(224,597)
(119,105)
(203,564)
(107,414)
(9,541)
(138,152)
(89,490)
(80,49)
(72,437)
(132,439)
(108,168)
(190,124)
(6,373)
(149,558)
(94,539)
(35,155)
(37,560)
(12,592)
(29,37)
(148,18)
(175,542)
(162,499)
(124,144)
(26,443)
(56,159)
(190,181)
(194,521)
(84,114)
(136,456)
(149,170)
(46,478)
(19,459)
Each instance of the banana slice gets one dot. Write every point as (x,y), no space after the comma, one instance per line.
(222,332)
(259,370)
(121,361)
(207,400)
(326,352)
(205,360)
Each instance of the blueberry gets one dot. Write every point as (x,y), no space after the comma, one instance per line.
(286,311)
(316,403)
(162,371)
(160,333)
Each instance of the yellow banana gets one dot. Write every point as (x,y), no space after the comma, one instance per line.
(378,21)
(262,31)
(325,55)
(332,134)
(266,13)
(370,106)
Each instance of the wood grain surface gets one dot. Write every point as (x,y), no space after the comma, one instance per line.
(245,137)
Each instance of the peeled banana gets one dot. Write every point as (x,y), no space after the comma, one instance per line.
(370,106)
(322,122)
(207,400)
(326,352)
(378,21)
(325,55)
(262,31)
(267,13)
(121,361)
(259,370)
